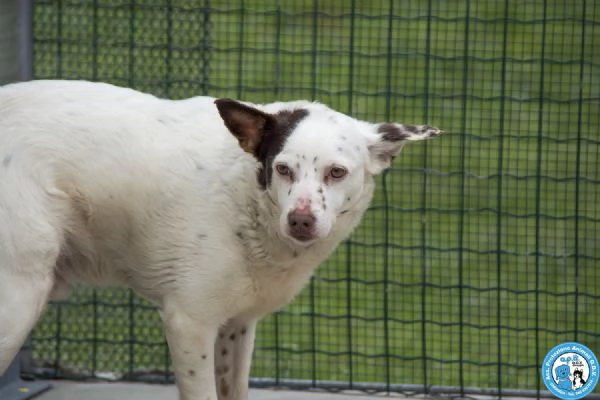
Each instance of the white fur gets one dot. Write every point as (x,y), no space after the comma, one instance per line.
(108,186)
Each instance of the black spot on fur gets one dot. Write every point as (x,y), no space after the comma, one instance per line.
(224,351)
(221,335)
(344,212)
(303,157)
(232,336)
(392,133)
(324,206)
(240,235)
(277,130)
(191,372)
(315,159)
(297,165)
(411,128)
(222,370)
(348,198)
(186,352)
(295,253)
(204,356)
(315,169)
(162,120)
(224,388)
(243,331)
(289,191)
(320,189)
(6,161)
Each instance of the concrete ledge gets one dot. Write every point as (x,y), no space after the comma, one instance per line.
(66,390)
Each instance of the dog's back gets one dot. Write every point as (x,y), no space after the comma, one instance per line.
(108,166)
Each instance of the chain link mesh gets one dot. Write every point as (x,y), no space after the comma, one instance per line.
(480,250)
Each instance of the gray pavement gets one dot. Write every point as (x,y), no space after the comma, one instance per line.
(64,390)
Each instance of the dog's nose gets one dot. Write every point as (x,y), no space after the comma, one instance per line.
(302,224)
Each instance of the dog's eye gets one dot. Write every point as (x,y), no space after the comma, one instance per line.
(338,172)
(283,170)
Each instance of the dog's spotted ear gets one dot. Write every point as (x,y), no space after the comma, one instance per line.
(390,140)
(246,123)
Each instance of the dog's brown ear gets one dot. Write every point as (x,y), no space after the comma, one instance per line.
(246,123)
(390,140)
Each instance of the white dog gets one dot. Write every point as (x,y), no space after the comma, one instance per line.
(108,186)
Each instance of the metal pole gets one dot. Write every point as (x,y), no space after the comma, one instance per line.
(25,37)
(15,41)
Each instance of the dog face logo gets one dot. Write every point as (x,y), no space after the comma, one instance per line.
(562,373)
(317,164)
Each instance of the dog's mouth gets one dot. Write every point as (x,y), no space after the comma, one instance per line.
(301,239)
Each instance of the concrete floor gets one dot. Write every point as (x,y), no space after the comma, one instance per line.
(64,390)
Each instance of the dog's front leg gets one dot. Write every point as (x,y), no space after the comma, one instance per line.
(233,357)
(191,344)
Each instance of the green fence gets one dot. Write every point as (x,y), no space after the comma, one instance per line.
(481,249)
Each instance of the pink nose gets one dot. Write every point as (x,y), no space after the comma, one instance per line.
(302,224)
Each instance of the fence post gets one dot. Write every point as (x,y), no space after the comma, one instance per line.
(15,41)
(16,65)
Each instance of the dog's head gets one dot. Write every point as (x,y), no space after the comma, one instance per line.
(315,162)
